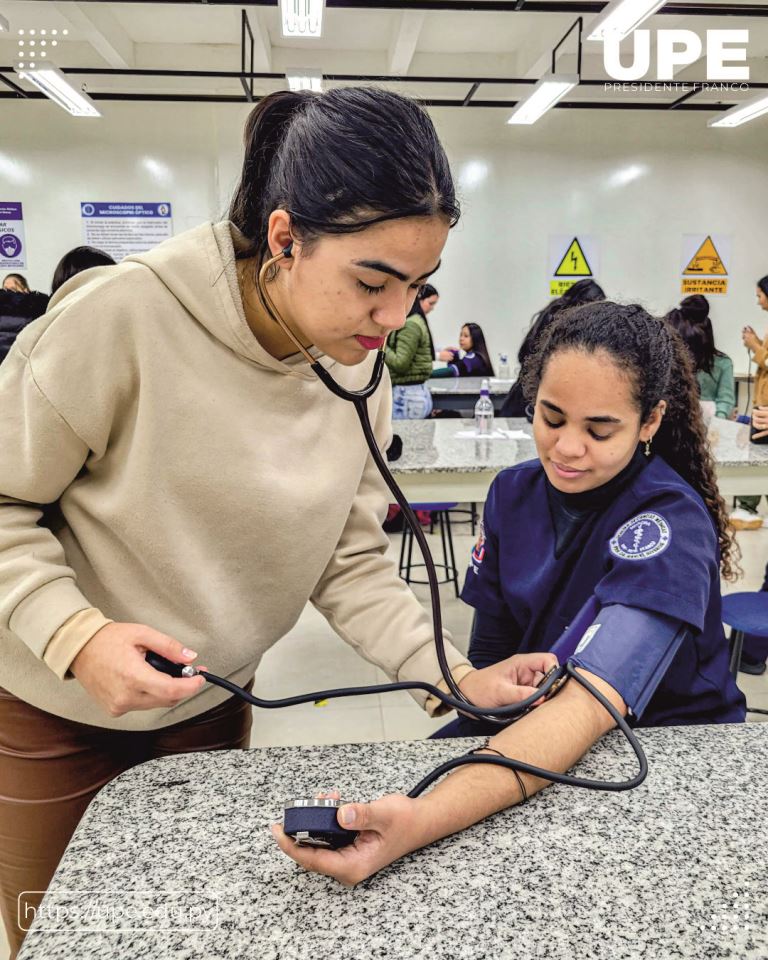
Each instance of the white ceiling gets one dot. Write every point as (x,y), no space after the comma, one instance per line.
(185,36)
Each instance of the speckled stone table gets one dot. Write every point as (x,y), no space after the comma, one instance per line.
(436,466)
(677,868)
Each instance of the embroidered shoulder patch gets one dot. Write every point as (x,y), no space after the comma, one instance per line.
(478,551)
(644,536)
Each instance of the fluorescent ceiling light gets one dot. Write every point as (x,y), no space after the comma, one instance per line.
(303,78)
(742,112)
(621,17)
(5,27)
(551,88)
(302,18)
(55,85)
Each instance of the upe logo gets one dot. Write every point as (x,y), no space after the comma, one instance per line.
(679,48)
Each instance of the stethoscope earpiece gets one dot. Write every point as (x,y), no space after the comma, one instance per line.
(288,251)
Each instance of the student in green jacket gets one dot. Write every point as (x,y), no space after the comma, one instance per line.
(409,355)
(714,370)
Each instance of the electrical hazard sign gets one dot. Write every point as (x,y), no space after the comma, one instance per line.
(704,264)
(571,258)
(574,263)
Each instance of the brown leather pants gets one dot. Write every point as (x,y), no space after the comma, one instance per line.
(50,770)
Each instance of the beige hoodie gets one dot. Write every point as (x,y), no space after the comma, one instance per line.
(199,486)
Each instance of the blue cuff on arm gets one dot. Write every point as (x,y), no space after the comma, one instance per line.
(631,649)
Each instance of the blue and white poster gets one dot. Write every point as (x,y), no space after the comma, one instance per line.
(120,229)
(13,252)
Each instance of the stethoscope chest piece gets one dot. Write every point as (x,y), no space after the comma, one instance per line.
(313,823)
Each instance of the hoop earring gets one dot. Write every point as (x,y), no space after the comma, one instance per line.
(529,410)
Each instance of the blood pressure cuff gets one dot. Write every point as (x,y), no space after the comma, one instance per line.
(631,649)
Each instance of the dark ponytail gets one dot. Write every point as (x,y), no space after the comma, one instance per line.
(659,366)
(339,162)
(691,321)
(263,136)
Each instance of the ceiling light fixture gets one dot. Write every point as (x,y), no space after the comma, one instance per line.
(620,17)
(302,18)
(550,88)
(742,112)
(304,78)
(55,85)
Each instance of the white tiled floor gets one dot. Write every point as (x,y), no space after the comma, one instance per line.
(312,657)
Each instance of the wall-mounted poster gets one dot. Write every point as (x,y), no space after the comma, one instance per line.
(120,229)
(13,254)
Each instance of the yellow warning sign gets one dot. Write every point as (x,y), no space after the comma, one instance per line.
(558,287)
(705,285)
(574,263)
(706,262)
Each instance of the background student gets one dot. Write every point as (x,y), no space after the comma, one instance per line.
(714,369)
(470,359)
(583,291)
(409,355)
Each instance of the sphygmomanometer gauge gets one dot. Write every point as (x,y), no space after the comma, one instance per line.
(313,823)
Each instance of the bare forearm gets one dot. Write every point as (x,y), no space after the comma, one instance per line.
(554,736)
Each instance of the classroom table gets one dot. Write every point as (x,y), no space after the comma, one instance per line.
(437,466)
(174,861)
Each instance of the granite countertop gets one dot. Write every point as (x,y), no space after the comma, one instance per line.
(468,385)
(673,869)
(432,446)
(731,447)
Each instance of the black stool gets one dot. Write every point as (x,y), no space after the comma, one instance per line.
(441,515)
(472,516)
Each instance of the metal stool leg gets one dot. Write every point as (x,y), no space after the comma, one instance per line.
(737,643)
(406,530)
(410,556)
(441,524)
(452,571)
(473,508)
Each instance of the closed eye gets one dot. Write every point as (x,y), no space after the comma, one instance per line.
(596,436)
(373,290)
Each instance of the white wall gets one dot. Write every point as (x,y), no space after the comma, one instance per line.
(565,175)
(51,162)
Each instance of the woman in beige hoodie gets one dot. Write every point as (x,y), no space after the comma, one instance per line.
(174,477)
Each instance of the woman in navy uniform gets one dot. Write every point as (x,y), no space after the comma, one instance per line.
(606,551)
(650,535)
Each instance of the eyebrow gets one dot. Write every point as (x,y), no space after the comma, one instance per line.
(385,268)
(603,419)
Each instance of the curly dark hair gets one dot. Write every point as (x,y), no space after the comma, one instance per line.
(659,366)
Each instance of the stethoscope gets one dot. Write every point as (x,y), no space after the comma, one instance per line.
(306,814)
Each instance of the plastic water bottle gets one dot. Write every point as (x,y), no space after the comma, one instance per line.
(484,412)
(503,366)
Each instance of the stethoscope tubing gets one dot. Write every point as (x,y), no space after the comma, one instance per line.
(456,699)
